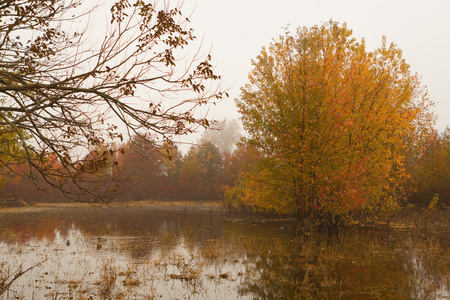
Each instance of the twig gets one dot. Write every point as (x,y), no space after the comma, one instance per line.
(5,286)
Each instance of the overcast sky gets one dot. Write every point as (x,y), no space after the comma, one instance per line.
(237,29)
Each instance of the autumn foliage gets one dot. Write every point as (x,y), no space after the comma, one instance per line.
(333,128)
(332,120)
(430,171)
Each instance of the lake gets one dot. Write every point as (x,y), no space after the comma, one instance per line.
(179,252)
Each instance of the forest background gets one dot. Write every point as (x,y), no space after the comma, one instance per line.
(211,168)
(149,166)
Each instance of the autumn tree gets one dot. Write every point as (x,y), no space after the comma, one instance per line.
(10,149)
(430,171)
(331,120)
(242,159)
(237,164)
(62,93)
(151,170)
(17,189)
(201,171)
(211,164)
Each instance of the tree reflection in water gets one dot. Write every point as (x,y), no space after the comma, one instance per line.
(172,253)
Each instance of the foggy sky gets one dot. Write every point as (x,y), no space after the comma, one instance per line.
(236,30)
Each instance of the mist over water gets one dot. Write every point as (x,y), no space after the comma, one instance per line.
(179,253)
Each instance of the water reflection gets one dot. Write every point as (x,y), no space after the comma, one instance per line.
(145,252)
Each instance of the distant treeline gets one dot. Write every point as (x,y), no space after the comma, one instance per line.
(143,172)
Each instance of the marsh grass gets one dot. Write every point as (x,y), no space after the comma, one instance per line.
(108,278)
(185,268)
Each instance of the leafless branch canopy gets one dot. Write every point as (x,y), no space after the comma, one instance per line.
(63,94)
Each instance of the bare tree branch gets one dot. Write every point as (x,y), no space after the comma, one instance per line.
(60,96)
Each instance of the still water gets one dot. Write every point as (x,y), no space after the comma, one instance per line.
(179,253)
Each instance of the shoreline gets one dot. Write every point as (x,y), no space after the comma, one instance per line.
(402,219)
(212,205)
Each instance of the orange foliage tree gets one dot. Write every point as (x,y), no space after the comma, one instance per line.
(430,171)
(332,121)
(236,164)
